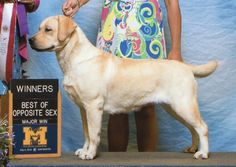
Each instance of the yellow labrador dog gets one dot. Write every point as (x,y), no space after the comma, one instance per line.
(98,82)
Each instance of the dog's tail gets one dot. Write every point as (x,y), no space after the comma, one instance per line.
(204,70)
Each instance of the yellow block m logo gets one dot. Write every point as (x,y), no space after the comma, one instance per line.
(35,136)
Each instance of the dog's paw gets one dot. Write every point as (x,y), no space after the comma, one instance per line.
(200,155)
(191,149)
(87,155)
(78,151)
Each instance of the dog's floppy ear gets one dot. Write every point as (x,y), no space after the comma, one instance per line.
(65,27)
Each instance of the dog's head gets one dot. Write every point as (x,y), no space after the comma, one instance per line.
(54,32)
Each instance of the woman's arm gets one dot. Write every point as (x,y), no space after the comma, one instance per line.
(71,7)
(82,2)
(174,20)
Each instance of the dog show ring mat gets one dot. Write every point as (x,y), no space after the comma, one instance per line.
(131,159)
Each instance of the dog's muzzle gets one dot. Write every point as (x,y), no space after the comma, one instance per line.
(31,41)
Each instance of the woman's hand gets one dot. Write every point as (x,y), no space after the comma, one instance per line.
(29,5)
(70,7)
(175,55)
(28,2)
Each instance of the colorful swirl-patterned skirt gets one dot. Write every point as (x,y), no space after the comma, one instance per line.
(132,29)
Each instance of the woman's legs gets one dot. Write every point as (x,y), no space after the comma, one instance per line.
(146,128)
(118,132)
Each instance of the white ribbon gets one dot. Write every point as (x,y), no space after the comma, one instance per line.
(4,37)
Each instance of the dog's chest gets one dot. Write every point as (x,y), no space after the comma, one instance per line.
(71,90)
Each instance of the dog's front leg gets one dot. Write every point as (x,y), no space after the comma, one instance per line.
(85,131)
(94,120)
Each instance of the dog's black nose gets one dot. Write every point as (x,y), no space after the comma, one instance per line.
(31,41)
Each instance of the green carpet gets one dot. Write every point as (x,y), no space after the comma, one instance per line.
(132,159)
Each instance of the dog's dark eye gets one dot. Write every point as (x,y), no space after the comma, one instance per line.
(48,29)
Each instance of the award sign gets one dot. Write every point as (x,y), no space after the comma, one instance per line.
(35,118)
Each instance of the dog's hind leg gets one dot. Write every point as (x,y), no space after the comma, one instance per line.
(85,131)
(202,130)
(94,120)
(195,139)
(187,109)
